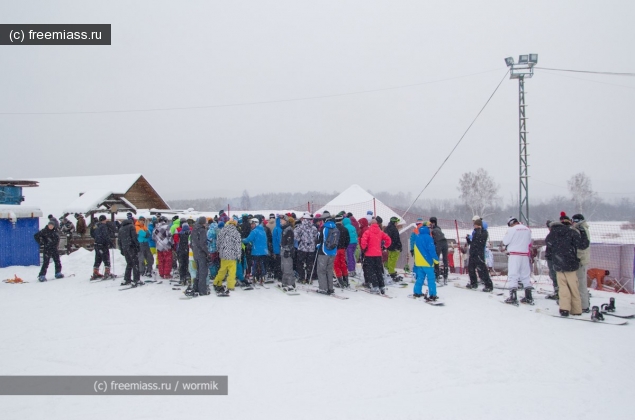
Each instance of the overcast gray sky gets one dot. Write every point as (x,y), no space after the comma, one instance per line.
(187,54)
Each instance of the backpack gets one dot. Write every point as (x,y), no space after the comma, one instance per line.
(332,239)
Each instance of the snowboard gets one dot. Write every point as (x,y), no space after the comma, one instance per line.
(583,317)
(432,303)
(131,287)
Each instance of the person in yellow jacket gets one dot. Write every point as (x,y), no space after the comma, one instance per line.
(425,257)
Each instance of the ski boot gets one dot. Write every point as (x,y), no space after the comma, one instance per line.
(382,290)
(528,299)
(41,278)
(374,290)
(417,295)
(59,275)
(352,274)
(126,283)
(431,298)
(554,296)
(345,282)
(488,289)
(108,274)
(586,311)
(596,315)
(339,282)
(222,291)
(512,300)
(609,307)
(471,285)
(564,313)
(323,292)
(96,275)
(330,292)
(136,283)
(189,292)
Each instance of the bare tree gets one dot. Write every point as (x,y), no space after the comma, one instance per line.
(582,194)
(478,191)
(245,201)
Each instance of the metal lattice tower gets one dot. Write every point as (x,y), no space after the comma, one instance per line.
(524,68)
(523,172)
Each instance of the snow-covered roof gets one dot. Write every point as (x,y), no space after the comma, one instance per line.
(358,201)
(88,201)
(9,211)
(54,195)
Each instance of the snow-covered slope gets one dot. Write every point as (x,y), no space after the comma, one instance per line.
(310,356)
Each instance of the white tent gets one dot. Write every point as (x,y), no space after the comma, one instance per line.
(358,201)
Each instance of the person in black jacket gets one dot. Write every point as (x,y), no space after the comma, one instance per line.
(103,243)
(287,250)
(50,240)
(441,245)
(129,246)
(477,258)
(201,256)
(183,254)
(563,243)
(339,264)
(394,249)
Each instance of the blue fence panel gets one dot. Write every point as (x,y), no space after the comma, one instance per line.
(17,246)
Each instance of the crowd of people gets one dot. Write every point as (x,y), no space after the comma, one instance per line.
(249,249)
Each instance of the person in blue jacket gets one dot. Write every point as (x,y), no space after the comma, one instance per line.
(259,250)
(212,233)
(276,238)
(425,256)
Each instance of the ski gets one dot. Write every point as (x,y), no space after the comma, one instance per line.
(363,289)
(110,277)
(461,286)
(132,287)
(583,317)
(313,290)
(293,293)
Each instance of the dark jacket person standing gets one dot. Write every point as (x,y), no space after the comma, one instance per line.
(129,246)
(49,239)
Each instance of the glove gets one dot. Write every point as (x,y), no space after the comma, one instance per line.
(412,252)
(467,238)
(286,254)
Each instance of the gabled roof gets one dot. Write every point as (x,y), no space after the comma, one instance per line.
(358,201)
(55,194)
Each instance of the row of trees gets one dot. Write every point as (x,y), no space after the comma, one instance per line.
(478,194)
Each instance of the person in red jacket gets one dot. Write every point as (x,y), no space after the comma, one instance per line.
(363,227)
(372,243)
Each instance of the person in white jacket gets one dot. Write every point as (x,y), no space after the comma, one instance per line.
(517,242)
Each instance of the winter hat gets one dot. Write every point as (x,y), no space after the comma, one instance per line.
(476,217)
(369,212)
(511,221)
(577,218)
(339,218)
(394,219)
(306,215)
(272,216)
(379,220)
(52,223)
(349,214)
(341,214)
(419,221)
(326,215)
(142,218)
(129,215)
(175,217)
(102,218)
(50,216)
(221,211)
(254,220)
(564,217)
(433,220)
(221,224)
(185,227)
(230,222)
(478,222)
(285,218)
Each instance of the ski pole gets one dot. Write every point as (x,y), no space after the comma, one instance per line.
(310,279)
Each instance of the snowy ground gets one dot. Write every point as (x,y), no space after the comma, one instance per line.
(310,356)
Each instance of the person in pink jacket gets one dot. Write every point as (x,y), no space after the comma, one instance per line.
(373,241)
